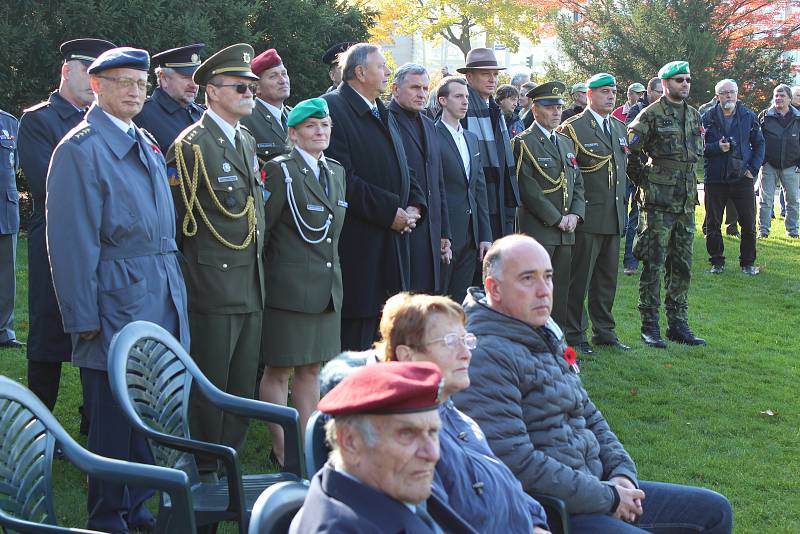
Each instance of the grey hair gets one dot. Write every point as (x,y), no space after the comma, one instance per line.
(406,70)
(723,82)
(355,56)
(360,423)
(166,70)
(518,77)
(784,89)
(653,83)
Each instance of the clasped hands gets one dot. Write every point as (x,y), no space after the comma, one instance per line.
(568,223)
(405,220)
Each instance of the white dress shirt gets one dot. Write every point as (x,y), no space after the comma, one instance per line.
(461,144)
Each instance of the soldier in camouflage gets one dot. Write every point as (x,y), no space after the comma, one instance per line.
(670,133)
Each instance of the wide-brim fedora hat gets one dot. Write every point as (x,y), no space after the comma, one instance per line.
(480,59)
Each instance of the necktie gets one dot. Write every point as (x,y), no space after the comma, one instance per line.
(132,134)
(376,113)
(553,140)
(426,518)
(324,178)
(283,120)
(607,128)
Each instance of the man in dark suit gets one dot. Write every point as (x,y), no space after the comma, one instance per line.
(384,201)
(430,241)
(268,121)
(384,436)
(41,128)
(467,207)
(171,108)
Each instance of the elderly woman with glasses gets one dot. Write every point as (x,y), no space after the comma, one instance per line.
(477,485)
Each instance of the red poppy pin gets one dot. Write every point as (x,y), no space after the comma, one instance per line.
(263,176)
(702,130)
(155,148)
(572,160)
(572,359)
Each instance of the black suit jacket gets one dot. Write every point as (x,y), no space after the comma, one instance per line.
(337,504)
(466,199)
(166,118)
(425,162)
(375,260)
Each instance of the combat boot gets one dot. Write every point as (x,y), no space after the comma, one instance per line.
(651,335)
(681,333)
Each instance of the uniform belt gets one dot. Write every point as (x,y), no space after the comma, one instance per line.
(673,165)
(167,245)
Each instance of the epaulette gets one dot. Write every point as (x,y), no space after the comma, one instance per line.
(283,157)
(562,135)
(34,107)
(245,128)
(7,114)
(333,160)
(571,119)
(191,135)
(523,134)
(82,135)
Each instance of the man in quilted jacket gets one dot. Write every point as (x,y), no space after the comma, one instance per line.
(527,397)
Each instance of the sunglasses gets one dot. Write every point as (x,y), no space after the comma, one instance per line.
(681,80)
(241,88)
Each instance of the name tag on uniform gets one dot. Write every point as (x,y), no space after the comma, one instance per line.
(544,159)
(224,179)
(314,207)
(591,145)
(265,145)
(342,203)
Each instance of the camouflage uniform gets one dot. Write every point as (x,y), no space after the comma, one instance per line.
(671,136)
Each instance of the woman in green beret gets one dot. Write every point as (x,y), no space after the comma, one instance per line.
(305,207)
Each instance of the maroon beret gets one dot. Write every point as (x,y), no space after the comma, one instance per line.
(386,388)
(265,60)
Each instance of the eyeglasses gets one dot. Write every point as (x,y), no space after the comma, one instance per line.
(682,79)
(452,341)
(127,83)
(726,93)
(241,88)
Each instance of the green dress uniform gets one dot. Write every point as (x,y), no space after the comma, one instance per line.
(269,132)
(550,187)
(602,157)
(302,317)
(219,199)
(671,135)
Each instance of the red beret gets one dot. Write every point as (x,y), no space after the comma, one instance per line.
(386,388)
(265,60)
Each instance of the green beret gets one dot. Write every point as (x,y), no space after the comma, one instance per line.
(636,87)
(601,79)
(313,107)
(673,68)
(579,87)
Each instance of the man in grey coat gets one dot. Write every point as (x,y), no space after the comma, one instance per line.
(111,243)
(527,397)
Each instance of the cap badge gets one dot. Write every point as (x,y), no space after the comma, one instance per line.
(246,57)
(195,58)
(555,90)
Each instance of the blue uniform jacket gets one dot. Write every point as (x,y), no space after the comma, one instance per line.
(337,504)
(165,118)
(111,237)
(749,142)
(479,487)
(40,129)
(9,202)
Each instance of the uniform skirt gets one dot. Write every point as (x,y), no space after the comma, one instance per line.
(290,339)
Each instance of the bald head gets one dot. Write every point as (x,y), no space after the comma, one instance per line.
(518,276)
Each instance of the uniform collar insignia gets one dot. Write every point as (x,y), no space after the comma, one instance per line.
(221,140)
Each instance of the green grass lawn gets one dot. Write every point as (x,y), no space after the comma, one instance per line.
(686,415)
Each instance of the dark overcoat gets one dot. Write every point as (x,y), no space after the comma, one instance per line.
(375,259)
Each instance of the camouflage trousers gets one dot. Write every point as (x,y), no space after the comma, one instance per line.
(664,244)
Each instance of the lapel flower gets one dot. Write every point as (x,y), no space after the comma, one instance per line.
(572,359)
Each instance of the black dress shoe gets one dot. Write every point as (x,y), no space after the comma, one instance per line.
(585,348)
(616,344)
(751,270)
(651,336)
(682,334)
(12,344)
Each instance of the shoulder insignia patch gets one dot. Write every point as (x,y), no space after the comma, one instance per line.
(83,134)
